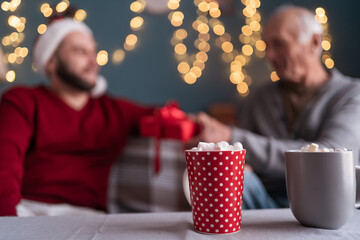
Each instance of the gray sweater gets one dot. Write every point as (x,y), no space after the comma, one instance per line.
(330,119)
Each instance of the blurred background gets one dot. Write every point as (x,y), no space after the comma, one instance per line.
(199,53)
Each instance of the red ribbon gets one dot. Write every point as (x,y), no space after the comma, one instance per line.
(171,115)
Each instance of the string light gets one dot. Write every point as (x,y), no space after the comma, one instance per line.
(191,66)
(250,37)
(274,77)
(137,6)
(260,45)
(320,17)
(46,10)
(136,23)
(10,6)
(62,6)
(242,88)
(102,57)
(42,28)
(118,56)
(173,4)
(10,76)
(15,38)
(329,63)
(208,12)
(80,15)
(131,40)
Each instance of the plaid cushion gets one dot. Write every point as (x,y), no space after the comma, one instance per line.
(133,186)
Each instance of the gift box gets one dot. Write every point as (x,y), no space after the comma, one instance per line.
(169,122)
(133,186)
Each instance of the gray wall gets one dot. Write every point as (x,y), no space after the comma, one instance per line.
(148,74)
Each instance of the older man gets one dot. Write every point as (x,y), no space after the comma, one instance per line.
(307,105)
(57,142)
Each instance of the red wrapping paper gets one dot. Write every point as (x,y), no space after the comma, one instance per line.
(169,122)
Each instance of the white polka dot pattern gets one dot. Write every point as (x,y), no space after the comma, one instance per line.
(216,185)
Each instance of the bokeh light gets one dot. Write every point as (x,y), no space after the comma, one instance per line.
(242,87)
(10,76)
(80,15)
(183,67)
(136,23)
(42,28)
(102,57)
(62,6)
(329,63)
(190,78)
(180,49)
(227,47)
(274,77)
(118,56)
(180,34)
(247,50)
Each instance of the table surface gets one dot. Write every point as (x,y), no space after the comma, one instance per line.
(256,224)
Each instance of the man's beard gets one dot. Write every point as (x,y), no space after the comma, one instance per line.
(72,78)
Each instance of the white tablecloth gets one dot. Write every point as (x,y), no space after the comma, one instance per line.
(257,224)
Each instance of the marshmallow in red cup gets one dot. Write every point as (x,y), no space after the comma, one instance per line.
(213,184)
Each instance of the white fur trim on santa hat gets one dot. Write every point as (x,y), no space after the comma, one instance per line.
(48,42)
(100,87)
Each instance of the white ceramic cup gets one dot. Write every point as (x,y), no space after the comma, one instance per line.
(322,187)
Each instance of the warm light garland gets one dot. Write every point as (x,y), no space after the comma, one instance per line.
(250,37)
(191,66)
(321,18)
(14,39)
(102,57)
(62,6)
(131,39)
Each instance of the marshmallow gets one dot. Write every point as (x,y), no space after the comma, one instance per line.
(313,147)
(305,148)
(206,146)
(220,146)
(341,150)
(238,146)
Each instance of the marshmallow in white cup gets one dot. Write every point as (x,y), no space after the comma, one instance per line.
(315,148)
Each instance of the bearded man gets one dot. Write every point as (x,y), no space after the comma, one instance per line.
(58,142)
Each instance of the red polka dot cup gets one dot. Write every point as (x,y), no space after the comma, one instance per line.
(213,185)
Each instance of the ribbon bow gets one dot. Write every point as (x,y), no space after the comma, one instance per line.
(168,122)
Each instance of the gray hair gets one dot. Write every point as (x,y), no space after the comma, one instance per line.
(305,20)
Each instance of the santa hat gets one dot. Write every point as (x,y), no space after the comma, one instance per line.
(47,43)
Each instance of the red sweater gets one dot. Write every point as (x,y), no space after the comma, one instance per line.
(52,153)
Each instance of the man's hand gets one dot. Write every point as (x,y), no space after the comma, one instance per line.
(211,130)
